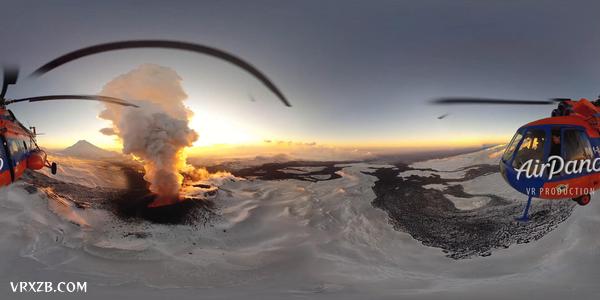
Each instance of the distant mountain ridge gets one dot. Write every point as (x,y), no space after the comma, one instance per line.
(85,149)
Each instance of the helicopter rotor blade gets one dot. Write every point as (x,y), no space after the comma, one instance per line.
(107,99)
(11,74)
(560,99)
(163,44)
(492,101)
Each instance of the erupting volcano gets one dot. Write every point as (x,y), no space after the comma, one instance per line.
(157,132)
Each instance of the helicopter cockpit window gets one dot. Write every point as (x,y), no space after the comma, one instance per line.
(532,147)
(576,145)
(512,146)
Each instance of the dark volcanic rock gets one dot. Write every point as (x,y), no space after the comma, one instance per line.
(133,203)
(277,171)
(129,204)
(186,211)
(431,218)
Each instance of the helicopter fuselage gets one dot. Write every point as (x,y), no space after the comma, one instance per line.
(19,150)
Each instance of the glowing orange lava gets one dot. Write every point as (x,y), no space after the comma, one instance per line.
(160,201)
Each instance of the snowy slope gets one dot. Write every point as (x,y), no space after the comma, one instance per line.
(489,156)
(86,172)
(457,166)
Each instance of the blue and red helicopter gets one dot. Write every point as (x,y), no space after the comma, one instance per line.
(570,135)
(20,151)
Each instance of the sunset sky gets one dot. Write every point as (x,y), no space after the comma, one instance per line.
(359,74)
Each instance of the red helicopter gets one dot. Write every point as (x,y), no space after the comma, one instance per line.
(19,149)
(551,158)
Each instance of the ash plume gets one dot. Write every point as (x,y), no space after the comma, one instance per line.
(158,131)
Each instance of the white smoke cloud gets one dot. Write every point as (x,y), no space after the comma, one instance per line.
(157,131)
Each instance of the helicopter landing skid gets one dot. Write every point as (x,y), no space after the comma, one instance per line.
(525,216)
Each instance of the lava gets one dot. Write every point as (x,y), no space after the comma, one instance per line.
(164,201)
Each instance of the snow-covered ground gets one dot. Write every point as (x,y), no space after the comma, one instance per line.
(456,167)
(287,239)
(489,156)
(86,172)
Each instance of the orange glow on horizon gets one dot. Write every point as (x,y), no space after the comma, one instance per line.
(203,147)
(281,146)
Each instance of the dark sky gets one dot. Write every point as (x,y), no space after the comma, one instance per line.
(355,71)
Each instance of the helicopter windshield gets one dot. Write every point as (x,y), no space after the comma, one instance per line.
(512,146)
(532,147)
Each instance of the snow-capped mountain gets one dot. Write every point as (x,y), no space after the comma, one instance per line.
(85,149)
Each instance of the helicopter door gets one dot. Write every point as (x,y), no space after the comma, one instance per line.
(7,173)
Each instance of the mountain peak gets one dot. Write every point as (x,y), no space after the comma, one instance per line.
(84,142)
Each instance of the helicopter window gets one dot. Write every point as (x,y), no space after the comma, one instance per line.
(532,147)
(25,145)
(555,142)
(576,145)
(16,146)
(511,146)
(13,145)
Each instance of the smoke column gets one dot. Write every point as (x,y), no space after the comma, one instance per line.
(158,131)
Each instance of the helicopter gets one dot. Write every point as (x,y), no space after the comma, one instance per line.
(20,150)
(557,157)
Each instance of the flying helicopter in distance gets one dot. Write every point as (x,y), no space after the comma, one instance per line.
(569,138)
(20,150)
